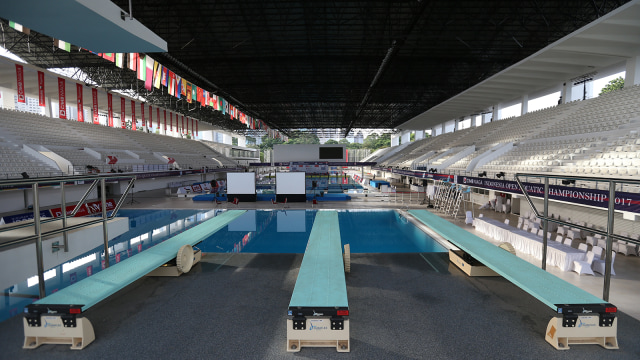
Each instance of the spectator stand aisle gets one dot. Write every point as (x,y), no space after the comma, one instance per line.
(584,318)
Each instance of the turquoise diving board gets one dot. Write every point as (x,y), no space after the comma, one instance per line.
(93,289)
(540,284)
(321,282)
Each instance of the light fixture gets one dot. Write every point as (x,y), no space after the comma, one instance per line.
(500,174)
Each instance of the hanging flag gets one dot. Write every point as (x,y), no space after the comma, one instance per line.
(165,76)
(172,83)
(80,108)
(62,99)
(199,95)
(62,45)
(148,83)
(150,117)
(20,81)
(94,112)
(41,96)
(143,122)
(109,110)
(202,102)
(132,61)
(120,60)
(183,87)
(215,102)
(194,93)
(157,75)
(142,67)
(109,56)
(189,95)
(178,86)
(18,27)
(122,113)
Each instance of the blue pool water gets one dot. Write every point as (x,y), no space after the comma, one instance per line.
(256,231)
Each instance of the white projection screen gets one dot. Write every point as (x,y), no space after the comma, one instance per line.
(241,183)
(290,183)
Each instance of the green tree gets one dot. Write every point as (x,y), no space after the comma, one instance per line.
(267,142)
(331,142)
(354,146)
(615,84)
(344,141)
(302,137)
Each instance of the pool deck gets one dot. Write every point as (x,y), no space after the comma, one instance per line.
(402,306)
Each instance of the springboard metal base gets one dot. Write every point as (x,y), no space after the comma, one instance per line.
(587,330)
(54,331)
(318,333)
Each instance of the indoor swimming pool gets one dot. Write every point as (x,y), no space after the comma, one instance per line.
(256,231)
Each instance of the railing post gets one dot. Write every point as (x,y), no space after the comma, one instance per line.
(607,261)
(105,231)
(63,203)
(546,224)
(38,230)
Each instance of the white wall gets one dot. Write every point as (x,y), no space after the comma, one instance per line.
(301,152)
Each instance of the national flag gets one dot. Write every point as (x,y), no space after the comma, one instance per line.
(157,75)
(179,86)
(184,87)
(133,61)
(120,60)
(142,67)
(109,56)
(199,94)
(189,94)
(148,83)
(62,45)
(19,27)
(165,76)
(194,92)
(172,83)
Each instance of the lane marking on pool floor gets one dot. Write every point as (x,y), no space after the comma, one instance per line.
(429,262)
(224,262)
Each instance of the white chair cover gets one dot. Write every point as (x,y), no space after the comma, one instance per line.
(599,267)
(584,267)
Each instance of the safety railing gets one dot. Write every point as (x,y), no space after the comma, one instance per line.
(34,185)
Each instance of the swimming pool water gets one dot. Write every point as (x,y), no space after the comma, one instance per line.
(256,231)
(287,231)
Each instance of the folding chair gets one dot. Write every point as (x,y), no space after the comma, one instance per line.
(236,201)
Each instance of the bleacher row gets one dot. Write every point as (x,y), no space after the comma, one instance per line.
(598,137)
(26,141)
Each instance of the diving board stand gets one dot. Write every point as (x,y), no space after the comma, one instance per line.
(318,313)
(57,318)
(584,318)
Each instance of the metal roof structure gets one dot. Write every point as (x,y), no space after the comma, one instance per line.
(334,65)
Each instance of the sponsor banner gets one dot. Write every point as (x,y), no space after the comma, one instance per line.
(80,108)
(110,109)
(598,198)
(25,216)
(94,98)
(41,96)
(319,163)
(62,99)
(122,113)
(143,122)
(20,82)
(57,212)
(150,117)
(165,120)
(133,115)
(96,206)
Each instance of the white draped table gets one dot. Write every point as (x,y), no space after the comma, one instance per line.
(558,254)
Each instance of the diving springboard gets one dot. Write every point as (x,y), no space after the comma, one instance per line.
(64,305)
(559,295)
(319,309)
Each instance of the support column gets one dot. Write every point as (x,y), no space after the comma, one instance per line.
(395,140)
(419,135)
(496,112)
(525,104)
(632,76)
(405,136)
(566,91)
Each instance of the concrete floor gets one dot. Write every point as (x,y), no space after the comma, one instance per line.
(233,306)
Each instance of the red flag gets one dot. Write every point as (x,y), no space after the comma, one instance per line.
(189,93)
(94,95)
(80,108)
(20,77)
(142,114)
(110,109)
(41,96)
(122,113)
(165,120)
(150,116)
(133,115)
(62,99)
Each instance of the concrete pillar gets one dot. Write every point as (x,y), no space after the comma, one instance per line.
(525,104)
(395,139)
(242,141)
(406,136)
(496,112)
(566,91)
(632,76)
(226,139)
(419,135)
